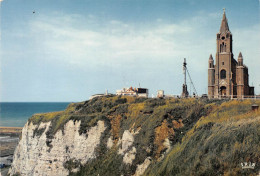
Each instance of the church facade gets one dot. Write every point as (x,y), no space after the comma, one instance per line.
(227,77)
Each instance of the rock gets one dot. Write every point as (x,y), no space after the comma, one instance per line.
(129,156)
(33,157)
(142,167)
(127,141)
(110,143)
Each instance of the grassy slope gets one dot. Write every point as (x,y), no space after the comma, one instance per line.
(217,144)
(207,138)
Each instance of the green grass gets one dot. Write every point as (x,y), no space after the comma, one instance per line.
(217,144)
(212,137)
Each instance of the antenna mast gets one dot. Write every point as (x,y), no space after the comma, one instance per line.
(184,70)
(185,92)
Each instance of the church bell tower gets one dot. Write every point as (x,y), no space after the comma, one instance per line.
(224,61)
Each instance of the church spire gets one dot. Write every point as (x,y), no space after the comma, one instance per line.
(240,59)
(240,55)
(211,62)
(224,24)
(210,57)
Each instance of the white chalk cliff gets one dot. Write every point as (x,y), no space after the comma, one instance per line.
(33,157)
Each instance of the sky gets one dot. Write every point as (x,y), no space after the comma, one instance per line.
(68,50)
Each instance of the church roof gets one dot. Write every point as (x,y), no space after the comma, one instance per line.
(224,24)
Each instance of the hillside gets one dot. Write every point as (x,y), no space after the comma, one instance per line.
(136,136)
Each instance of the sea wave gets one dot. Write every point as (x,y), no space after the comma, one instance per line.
(8,139)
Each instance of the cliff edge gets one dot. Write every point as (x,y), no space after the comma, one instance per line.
(116,135)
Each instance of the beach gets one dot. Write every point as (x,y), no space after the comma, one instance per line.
(9,138)
(10,130)
(13,116)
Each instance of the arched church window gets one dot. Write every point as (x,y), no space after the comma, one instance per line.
(222,47)
(223,74)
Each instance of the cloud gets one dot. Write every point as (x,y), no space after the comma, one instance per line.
(113,41)
(150,50)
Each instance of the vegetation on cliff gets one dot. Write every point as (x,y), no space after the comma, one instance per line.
(217,144)
(204,137)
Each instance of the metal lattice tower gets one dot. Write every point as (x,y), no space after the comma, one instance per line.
(185,92)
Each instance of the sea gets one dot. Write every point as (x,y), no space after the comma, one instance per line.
(17,114)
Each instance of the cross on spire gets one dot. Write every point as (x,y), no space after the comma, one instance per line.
(224,10)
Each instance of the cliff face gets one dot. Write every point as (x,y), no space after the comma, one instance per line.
(34,157)
(133,136)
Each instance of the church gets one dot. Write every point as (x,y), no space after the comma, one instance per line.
(227,78)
